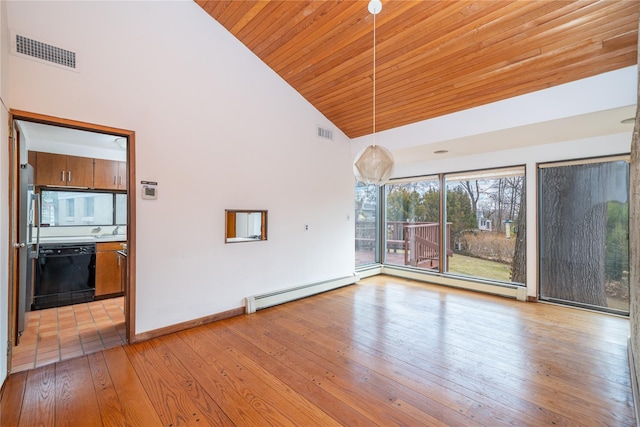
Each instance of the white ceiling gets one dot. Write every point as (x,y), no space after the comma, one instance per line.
(600,123)
(38,135)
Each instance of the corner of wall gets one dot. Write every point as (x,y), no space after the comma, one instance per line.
(4,198)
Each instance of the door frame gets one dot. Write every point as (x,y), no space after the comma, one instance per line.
(129,286)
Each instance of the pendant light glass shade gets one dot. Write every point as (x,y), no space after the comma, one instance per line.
(373,165)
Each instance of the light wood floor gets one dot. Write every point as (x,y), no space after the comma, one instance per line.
(383,352)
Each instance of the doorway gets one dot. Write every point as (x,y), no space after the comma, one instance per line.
(77,213)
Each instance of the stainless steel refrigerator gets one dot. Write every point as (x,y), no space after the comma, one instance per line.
(28,241)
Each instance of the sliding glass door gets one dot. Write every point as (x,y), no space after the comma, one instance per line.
(584,229)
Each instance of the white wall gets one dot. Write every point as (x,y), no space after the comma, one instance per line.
(4,198)
(217,130)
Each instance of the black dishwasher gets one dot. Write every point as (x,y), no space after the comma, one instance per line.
(65,274)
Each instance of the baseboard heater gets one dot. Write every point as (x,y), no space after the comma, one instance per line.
(270,299)
(510,291)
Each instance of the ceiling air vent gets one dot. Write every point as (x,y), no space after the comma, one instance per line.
(324,133)
(42,52)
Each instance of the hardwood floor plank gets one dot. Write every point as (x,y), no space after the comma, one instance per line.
(282,405)
(505,348)
(451,360)
(177,396)
(335,408)
(212,379)
(432,399)
(38,407)
(75,396)
(375,383)
(137,408)
(512,349)
(111,409)
(384,351)
(372,400)
(12,398)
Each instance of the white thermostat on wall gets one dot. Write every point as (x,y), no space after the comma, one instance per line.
(149,190)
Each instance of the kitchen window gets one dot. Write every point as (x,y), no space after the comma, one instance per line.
(76,208)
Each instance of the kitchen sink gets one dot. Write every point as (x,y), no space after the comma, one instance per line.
(110,236)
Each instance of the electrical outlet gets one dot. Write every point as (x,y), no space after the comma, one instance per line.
(306,227)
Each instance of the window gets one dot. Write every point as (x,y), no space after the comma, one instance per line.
(121,209)
(412,229)
(366,214)
(584,234)
(74,208)
(89,207)
(483,236)
(486,216)
(70,208)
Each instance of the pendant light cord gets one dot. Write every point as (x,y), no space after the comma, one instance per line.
(374,79)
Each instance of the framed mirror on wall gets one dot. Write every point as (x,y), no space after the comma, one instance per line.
(243,225)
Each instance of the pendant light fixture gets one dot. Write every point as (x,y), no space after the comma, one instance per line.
(374,164)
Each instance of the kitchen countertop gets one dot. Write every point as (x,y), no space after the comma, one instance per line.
(82,239)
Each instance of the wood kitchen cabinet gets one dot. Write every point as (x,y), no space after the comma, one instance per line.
(63,170)
(110,174)
(109,268)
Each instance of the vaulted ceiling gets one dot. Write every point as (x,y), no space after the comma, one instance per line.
(433,57)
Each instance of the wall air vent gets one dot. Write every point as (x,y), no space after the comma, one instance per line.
(324,133)
(43,52)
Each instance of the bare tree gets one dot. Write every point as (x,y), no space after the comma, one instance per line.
(504,194)
(514,189)
(473,189)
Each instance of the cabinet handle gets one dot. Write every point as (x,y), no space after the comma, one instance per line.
(118,260)
(114,180)
(62,176)
(120,177)
(69,174)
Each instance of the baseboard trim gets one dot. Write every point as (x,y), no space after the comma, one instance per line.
(257,302)
(369,271)
(532,298)
(187,325)
(510,291)
(634,381)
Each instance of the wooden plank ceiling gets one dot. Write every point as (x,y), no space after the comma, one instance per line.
(434,57)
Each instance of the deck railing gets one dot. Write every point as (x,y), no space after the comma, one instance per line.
(420,241)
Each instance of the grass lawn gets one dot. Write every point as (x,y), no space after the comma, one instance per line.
(480,268)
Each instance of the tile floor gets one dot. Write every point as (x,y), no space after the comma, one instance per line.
(61,333)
